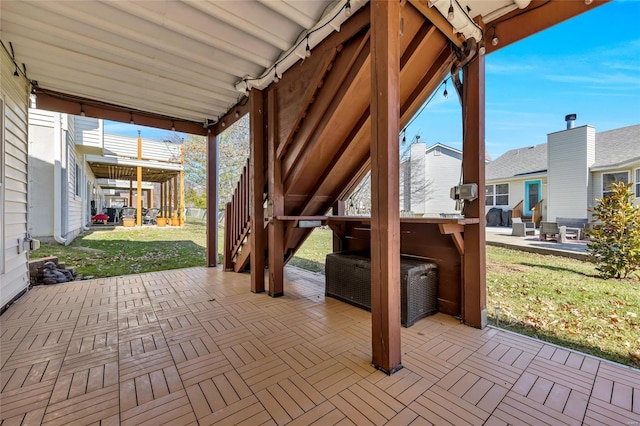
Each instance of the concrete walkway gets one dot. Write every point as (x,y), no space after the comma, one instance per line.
(501,237)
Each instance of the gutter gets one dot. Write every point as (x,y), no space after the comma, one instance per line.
(57,182)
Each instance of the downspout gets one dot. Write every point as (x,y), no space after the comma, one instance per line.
(57,182)
(85,199)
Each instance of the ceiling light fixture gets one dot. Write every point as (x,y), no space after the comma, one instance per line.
(450,14)
(276,77)
(173,126)
(237,113)
(82,114)
(347,9)
(307,51)
(445,93)
(131,120)
(494,38)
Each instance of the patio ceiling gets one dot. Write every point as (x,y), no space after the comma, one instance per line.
(178,63)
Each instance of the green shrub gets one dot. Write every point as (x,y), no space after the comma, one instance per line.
(615,239)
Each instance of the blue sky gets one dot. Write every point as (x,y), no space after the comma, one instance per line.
(589,65)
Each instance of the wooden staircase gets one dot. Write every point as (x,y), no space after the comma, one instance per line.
(318,127)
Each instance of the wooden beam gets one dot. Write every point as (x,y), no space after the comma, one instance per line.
(256,199)
(474,309)
(385,218)
(276,201)
(434,16)
(234,114)
(212,200)
(538,16)
(70,104)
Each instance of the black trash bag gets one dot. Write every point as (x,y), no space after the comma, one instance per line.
(494,217)
(506,218)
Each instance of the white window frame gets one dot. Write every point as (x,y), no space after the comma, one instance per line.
(636,173)
(604,190)
(492,199)
(76,179)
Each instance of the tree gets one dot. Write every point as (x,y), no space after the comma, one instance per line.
(233,151)
(615,240)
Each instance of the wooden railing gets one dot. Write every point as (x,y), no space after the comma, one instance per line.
(237,218)
(517,210)
(537,213)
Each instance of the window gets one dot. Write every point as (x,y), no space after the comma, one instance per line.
(637,183)
(497,195)
(77,179)
(609,178)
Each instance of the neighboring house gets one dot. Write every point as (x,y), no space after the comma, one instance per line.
(62,187)
(14,102)
(426,178)
(74,165)
(568,174)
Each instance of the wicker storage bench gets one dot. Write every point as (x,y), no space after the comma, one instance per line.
(348,278)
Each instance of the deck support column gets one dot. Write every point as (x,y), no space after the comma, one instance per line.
(474,305)
(276,202)
(256,191)
(212,200)
(385,177)
(139,184)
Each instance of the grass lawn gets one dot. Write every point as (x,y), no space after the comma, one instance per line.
(123,251)
(555,299)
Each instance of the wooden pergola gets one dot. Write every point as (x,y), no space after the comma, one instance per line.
(396,53)
(314,133)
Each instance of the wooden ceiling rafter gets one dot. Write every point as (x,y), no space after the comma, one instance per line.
(338,86)
(357,129)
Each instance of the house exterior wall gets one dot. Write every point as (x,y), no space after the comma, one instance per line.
(597,185)
(443,167)
(88,134)
(41,170)
(74,212)
(124,146)
(14,98)
(517,192)
(570,155)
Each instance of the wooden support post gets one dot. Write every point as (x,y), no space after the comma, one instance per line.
(212,200)
(169,198)
(337,210)
(182,186)
(385,177)
(175,196)
(256,199)
(276,200)
(474,305)
(139,184)
(130,193)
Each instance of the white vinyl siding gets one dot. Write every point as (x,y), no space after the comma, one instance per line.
(14,92)
(609,178)
(127,147)
(570,155)
(88,134)
(442,172)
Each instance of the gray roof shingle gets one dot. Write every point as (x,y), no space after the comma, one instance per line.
(518,162)
(612,147)
(617,146)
